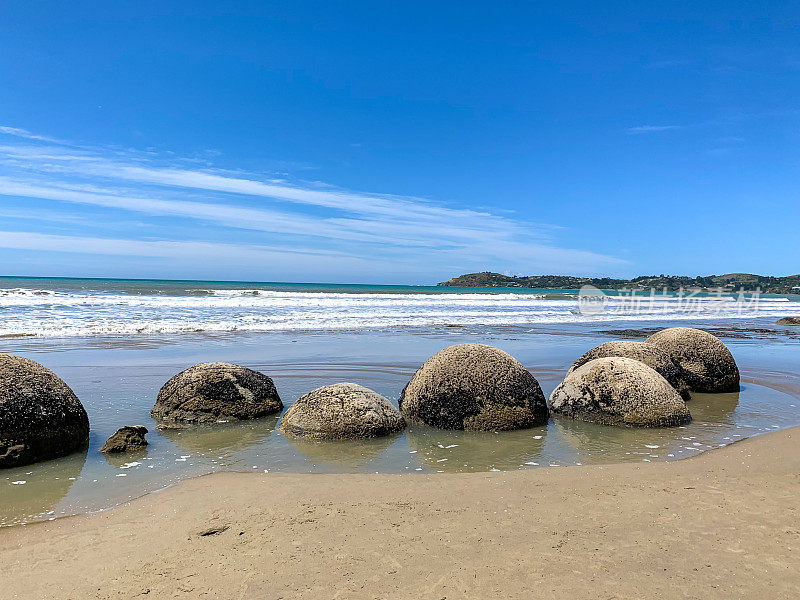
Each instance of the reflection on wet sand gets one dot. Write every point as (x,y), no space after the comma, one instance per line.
(120,459)
(608,444)
(466,451)
(344,453)
(39,494)
(222,438)
(715,408)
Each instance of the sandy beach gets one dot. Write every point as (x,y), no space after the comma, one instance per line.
(720,525)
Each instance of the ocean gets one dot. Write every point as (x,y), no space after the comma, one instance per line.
(96,307)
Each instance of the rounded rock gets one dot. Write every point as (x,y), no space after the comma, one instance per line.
(619,391)
(653,356)
(215,393)
(788,321)
(342,411)
(40,416)
(474,387)
(707,363)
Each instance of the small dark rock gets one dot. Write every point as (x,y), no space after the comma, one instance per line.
(789,321)
(629,333)
(213,530)
(127,439)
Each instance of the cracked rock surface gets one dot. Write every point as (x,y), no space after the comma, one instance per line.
(653,356)
(474,387)
(707,363)
(40,416)
(213,393)
(619,391)
(342,411)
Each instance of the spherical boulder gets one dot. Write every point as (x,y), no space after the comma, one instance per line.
(654,357)
(707,363)
(40,416)
(126,439)
(788,321)
(341,411)
(619,391)
(474,387)
(215,393)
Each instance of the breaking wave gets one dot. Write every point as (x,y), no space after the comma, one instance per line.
(87,311)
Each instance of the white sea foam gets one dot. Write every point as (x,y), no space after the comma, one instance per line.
(87,312)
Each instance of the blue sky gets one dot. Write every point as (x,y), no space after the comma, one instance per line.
(398,142)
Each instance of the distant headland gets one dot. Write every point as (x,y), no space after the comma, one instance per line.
(732,281)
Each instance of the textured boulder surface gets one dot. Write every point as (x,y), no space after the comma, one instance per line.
(653,356)
(127,439)
(40,416)
(342,411)
(474,387)
(619,391)
(788,321)
(707,363)
(213,393)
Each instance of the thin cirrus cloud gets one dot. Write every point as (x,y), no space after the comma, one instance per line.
(157,249)
(651,129)
(342,231)
(25,134)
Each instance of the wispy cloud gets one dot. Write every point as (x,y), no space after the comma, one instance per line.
(25,134)
(730,122)
(382,232)
(651,129)
(670,63)
(26,240)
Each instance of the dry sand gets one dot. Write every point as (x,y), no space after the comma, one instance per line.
(725,524)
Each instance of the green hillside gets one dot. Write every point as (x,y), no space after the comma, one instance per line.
(731,281)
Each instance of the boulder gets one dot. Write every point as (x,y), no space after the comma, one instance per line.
(474,387)
(40,416)
(619,391)
(707,363)
(788,321)
(214,393)
(341,411)
(654,357)
(127,439)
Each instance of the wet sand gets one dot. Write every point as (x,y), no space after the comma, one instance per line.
(723,524)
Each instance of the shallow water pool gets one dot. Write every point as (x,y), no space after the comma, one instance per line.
(118,382)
